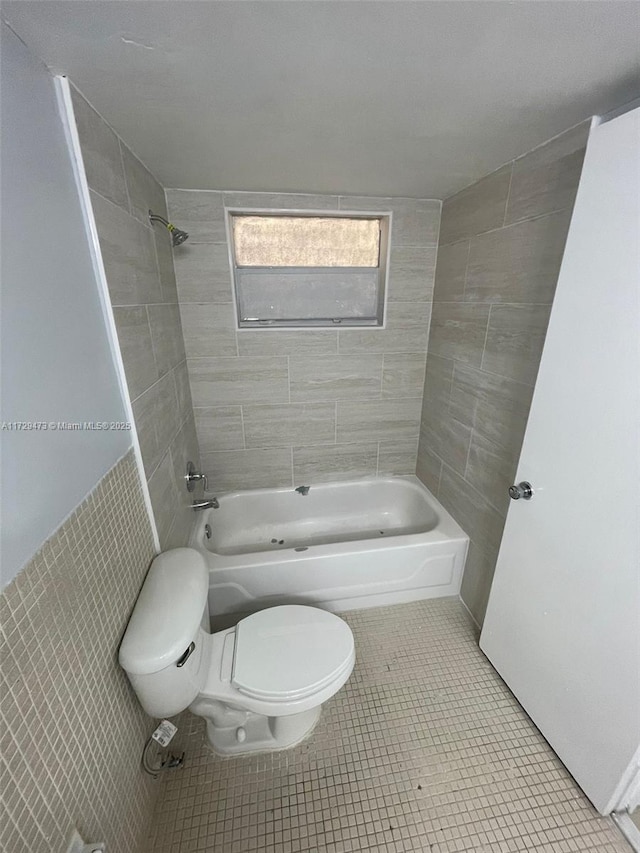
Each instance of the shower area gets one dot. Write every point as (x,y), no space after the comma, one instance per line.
(440,393)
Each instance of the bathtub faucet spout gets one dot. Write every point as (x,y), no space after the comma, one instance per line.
(211,503)
(303,490)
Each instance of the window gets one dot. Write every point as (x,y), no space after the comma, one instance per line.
(301,269)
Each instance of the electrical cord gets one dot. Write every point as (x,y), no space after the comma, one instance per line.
(168,762)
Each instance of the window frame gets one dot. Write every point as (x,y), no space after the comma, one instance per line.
(379,322)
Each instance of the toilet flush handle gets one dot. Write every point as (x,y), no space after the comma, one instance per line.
(185,657)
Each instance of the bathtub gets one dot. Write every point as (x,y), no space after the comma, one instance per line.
(342,546)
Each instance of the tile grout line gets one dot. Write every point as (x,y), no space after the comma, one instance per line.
(244,437)
(506,204)
(486,335)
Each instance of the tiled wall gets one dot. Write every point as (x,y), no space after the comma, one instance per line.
(139,267)
(72,730)
(501,244)
(285,407)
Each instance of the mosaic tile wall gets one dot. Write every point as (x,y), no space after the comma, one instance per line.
(72,730)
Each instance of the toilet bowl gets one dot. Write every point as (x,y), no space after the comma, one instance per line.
(259,685)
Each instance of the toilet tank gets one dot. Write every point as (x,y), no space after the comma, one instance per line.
(167,619)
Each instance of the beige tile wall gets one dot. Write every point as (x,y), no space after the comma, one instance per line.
(285,407)
(72,730)
(138,260)
(501,244)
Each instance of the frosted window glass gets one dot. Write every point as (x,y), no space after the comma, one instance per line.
(285,241)
(307,296)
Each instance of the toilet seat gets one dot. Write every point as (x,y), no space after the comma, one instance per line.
(290,652)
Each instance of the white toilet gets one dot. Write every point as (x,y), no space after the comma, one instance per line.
(259,685)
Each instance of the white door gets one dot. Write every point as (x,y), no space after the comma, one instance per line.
(562,625)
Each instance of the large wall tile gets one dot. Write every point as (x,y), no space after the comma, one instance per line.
(397,457)
(517,264)
(378,420)
(458,331)
(476,581)
(478,208)
(202,272)
(481,521)
(219,428)
(411,273)
(334,463)
(428,467)
(491,469)
(288,424)
(415,222)
(138,262)
(164,253)
(495,281)
(248,469)
(180,531)
(145,412)
(166,336)
(285,342)
(451,271)
(281,201)
(232,381)
(198,212)
(209,329)
(277,370)
(129,255)
(403,374)
(100,153)
(547,178)
(407,330)
(157,420)
(168,415)
(495,406)
(134,337)
(515,339)
(164,498)
(183,390)
(145,193)
(184,449)
(335,377)
(437,382)
(446,437)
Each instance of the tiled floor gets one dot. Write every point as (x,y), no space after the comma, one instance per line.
(423,749)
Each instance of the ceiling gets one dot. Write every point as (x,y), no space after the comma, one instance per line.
(413,99)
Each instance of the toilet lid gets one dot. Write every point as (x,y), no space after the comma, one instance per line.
(290,652)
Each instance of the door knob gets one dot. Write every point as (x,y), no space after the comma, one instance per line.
(521,490)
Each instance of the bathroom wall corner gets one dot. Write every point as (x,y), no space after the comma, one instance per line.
(501,245)
(137,264)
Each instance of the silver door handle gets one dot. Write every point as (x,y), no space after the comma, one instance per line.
(521,490)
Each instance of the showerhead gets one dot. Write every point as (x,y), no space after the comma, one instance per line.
(177,235)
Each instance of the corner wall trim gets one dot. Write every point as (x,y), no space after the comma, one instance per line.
(628,828)
(63,93)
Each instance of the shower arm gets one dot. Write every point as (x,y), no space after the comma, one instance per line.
(178,236)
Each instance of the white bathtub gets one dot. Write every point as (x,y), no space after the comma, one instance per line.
(342,546)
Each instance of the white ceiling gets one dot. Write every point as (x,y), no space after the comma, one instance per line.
(374,98)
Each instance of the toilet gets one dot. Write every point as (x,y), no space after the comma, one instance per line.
(259,685)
